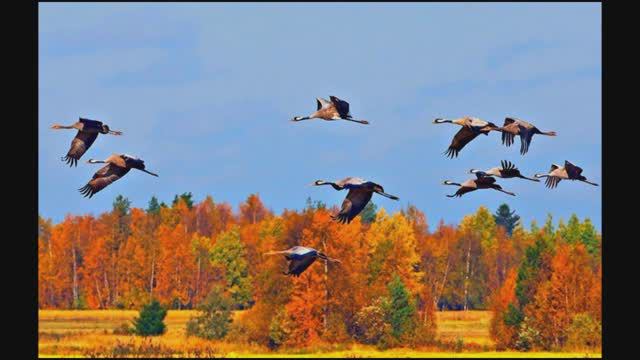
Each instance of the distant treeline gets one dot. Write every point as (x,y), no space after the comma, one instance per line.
(541,282)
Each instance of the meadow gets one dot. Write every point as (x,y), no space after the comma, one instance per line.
(94,333)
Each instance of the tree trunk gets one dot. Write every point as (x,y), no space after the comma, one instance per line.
(153,264)
(75,276)
(106,285)
(466,278)
(325,309)
(444,281)
(99,294)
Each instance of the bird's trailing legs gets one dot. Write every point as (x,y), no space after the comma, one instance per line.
(506,192)
(589,182)
(393,197)
(528,178)
(325,257)
(365,122)
(149,172)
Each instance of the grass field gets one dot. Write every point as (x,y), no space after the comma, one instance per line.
(78,333)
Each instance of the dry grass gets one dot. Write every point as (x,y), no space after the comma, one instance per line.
(68,333)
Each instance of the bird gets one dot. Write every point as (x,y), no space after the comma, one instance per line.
(471,128)
(360,192)
(480,182)
(88,131)
(335,109)
(508,170)
(300,258)
(118,165)
(513,127)
(566,172)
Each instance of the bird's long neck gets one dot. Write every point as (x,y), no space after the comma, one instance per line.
(548,133)
(300,118)
(540,175)
(451,183)
(58,126)
(334,185)
(275,252)
(92,161)
(442,121)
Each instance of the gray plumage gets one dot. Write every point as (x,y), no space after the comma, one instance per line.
(300,258)
(360,192)
(118,165)
(480,182)
(567,172)
(88,131)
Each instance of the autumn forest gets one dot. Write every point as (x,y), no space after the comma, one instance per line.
(541,282)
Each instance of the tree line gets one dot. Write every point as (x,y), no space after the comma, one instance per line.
(542,283)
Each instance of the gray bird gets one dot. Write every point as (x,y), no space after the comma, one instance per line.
(513,127)
(360,192)
(471,128)
(480,182)
(300,258)
(118,165)
(88,131)
(506,171)
(335,109)
(566,172)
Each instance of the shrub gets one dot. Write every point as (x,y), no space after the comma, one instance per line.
(123,329)
(584,332)
(278,330)
(336,329)
(459,344)
(151,320)
(370,324)
(214,318)
(528,337)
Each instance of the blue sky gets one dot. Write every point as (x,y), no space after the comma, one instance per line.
(204,94)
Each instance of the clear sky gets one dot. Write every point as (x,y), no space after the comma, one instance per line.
(204,94)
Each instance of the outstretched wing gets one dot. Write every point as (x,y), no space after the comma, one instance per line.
(322,103)
(485,180)
(510,129)
(102,178)
(509,169)
(353,204)
(508,121)
(552,181)
(342,106)
(79,145)
(525,140)
(298,266)
(462,138)
(572,170)
(462,190)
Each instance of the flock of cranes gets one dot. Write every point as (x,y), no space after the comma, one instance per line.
(117,165)
(360,191)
